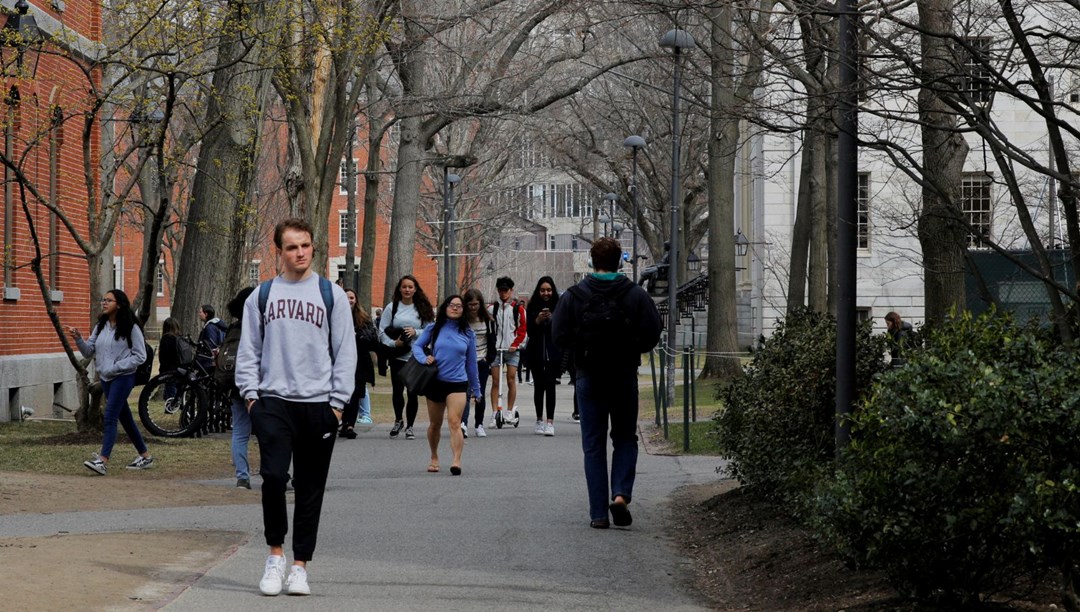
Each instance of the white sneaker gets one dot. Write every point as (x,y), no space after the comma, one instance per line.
(271,580)
(539,429)
(549,430)
(296,583)
(464,430)
(514,417)
(480,433)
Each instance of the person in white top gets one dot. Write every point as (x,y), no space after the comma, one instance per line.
(402,321)
(509,317)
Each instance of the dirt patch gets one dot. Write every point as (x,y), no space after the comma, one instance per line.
(34,493)
(748,556)
(109,571)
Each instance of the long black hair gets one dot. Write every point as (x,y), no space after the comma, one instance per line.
(420,299)
(125,317)
(441,318)
(536,303)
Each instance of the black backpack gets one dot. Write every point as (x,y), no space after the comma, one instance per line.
(604,335)
(145,369)
(225,360)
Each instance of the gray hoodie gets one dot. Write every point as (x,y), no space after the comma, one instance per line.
(112,356)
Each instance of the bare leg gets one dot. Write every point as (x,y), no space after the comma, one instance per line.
(434,429)
(455,404)
(511,387)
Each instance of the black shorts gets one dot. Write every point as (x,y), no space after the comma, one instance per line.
(439,389)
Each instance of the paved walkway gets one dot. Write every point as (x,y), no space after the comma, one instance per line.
(511,533)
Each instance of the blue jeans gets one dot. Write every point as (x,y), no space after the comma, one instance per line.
(365,405)
(116,392)
(604,397)
(483,371)
(241,433)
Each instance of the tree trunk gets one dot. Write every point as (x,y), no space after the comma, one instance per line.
(801,229)
(722,337)
(819,227)
(406,204)
(224,173)
(941,227)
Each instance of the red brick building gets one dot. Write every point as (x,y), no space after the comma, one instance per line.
(43,100)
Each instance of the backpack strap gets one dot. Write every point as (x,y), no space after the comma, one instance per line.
(326,288)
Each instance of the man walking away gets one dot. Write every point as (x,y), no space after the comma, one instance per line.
(295,369)
(607,322)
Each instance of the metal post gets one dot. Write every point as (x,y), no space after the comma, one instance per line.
(446,235)
(693,354)
(686,401)
(633,200)
(846,223)
(451,277)
(655,389)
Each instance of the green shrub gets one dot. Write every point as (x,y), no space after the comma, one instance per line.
(961,477)
(777,428)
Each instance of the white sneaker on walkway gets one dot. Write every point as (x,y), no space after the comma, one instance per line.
(549,430)
(272,575)
(480,433)
(296,583)
(539,429)
(464,430)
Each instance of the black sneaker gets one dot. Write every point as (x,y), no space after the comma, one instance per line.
(397,428)
(243,483)
(409,435)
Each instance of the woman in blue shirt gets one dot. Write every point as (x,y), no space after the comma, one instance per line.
(453,350)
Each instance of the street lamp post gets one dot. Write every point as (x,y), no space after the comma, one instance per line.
(676,40)
(449,180)
(635,142)
(608,215)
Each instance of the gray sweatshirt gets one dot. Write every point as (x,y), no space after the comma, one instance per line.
(284,351)
(112,356)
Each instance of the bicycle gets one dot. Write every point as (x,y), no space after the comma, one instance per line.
(196,407)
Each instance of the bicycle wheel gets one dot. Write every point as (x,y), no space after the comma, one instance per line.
(180,416)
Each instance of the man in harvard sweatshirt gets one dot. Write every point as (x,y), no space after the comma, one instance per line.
(295,368)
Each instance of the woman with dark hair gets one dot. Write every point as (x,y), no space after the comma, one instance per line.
(544,357)
(453,349)
(367,340)
(241,418)
(118,348)
(402,320)
(483,327)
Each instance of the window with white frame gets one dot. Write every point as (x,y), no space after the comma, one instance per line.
(343,177)
(159,281)
(253,273)
(118,272)
(977,204)
(343,227)
(974,53)
(863,197)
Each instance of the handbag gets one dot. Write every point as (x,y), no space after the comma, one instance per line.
(418,376)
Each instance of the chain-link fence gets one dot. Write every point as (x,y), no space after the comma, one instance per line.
(994,278)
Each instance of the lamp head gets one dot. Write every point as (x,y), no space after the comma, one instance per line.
(634,141)
(453,179)
(611,197)
(678,40)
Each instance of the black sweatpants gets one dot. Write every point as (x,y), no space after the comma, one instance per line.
(404,402)
(302,433)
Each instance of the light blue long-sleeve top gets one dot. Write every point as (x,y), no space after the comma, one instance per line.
(112,356)
(455,354)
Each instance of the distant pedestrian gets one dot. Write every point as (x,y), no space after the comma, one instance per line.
(510,329)
(211,335)
(358,410)
(451,345)
(901,335)
(169,356)
(241,420)
(543,355)
(608,322)
(483,327)
(295,368)
(118,347)
(402,321)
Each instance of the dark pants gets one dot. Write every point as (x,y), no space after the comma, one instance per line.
(116,392)
(403,400)
(602,398)
(544,375)
(352,409)
(483,371)
(302,433)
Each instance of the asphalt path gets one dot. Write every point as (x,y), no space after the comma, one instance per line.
(511,533)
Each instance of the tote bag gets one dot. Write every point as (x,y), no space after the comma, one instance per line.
(418,376)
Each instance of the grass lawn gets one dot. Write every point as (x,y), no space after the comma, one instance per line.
(702,439)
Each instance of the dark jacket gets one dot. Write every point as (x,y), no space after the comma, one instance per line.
(635,303)
(541,345)
(367,340)
(900,340)
(168,353)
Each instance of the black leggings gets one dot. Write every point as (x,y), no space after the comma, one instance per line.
(544,375)
(399,393)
